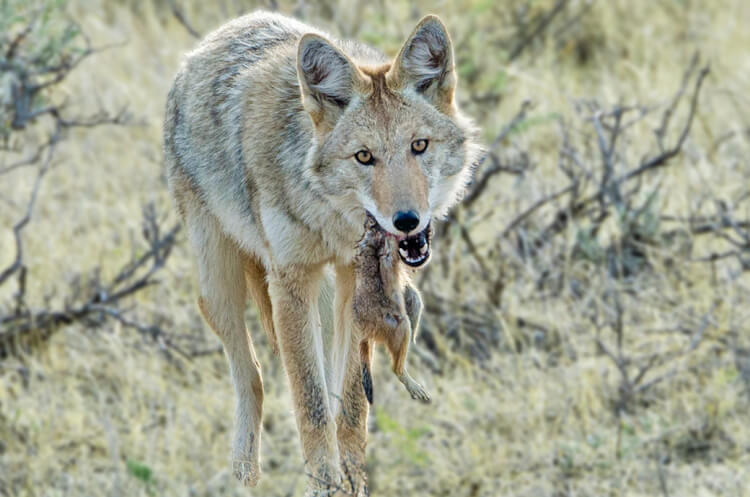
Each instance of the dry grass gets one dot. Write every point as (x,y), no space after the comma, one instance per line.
(100,412)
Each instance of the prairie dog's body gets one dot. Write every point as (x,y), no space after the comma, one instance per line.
(386,307)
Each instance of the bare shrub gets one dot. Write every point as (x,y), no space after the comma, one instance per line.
(39,47)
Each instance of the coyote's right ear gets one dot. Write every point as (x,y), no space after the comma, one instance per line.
(327,77)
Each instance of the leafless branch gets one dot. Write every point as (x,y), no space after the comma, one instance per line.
(32,77)
(610,184)
(533,208)
(478,186)
(17,263)
(97,300)
(662,158)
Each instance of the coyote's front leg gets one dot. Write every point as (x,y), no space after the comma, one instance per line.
(294,296)
(352,414)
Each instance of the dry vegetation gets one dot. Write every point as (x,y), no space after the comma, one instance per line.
(587,309)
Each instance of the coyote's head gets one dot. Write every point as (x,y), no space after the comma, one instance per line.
(389,139)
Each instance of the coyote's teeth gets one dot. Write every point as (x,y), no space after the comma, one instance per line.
(423,249)
(404,253)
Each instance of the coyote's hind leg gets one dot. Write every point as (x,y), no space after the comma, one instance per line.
(222,303)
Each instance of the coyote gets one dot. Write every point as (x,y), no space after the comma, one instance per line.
(278,141)
(386,307)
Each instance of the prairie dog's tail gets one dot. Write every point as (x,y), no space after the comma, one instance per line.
(364,354)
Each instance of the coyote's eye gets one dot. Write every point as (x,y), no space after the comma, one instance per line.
(364,157)
(419,146)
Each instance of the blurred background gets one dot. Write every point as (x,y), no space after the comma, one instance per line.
(586,329)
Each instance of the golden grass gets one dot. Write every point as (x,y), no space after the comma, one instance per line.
(98,412)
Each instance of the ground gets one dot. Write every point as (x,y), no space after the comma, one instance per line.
(103,412)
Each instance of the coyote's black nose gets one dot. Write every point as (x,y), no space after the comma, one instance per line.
(406,221)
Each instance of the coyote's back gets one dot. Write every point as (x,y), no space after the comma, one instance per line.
(205,121)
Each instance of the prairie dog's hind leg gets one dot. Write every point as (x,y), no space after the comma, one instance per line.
(398,346)
(416,390)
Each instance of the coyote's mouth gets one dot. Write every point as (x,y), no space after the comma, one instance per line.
(414,250)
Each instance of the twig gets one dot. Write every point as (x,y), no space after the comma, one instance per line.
(662,158)
(543,23)
(23,323)
(33,74)
(21,224)
(661,131)
(533,208)
(182,19)
(478,186)
(563,216)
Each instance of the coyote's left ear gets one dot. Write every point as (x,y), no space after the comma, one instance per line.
(426,65)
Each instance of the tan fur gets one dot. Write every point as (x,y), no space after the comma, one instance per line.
(262,124)
(380,309)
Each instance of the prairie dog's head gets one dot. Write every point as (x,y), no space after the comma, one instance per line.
(389,139)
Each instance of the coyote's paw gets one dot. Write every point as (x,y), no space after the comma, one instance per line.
(247,472)
(325,481)
(245,464)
